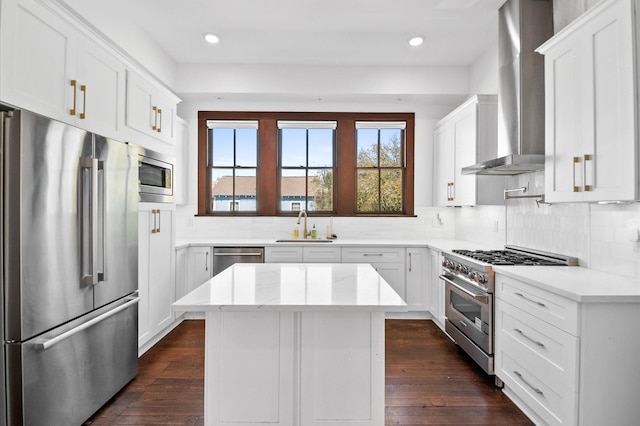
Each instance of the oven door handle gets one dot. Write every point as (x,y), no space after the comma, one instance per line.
(480,297)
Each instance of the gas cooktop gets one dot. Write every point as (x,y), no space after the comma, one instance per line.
(513,255)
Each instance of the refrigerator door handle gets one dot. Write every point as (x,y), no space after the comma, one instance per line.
(92,277)
(43,346)
(101,227)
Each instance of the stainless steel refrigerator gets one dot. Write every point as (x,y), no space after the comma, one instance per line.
(69,209)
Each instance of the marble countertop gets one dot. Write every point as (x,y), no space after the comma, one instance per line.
(294,287)
(576,283)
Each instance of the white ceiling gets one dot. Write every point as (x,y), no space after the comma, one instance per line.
(307,32)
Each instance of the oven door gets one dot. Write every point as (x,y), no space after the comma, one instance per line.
(470,310)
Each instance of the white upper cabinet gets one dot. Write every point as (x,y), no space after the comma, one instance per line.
(150,108)
(50,67)
(591,105)
(465,137)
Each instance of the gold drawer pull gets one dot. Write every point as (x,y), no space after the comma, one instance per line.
(72,111)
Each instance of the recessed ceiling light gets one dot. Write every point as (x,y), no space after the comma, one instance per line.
(416,41)
(211,38)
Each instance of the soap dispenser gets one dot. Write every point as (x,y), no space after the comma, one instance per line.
(296,232)
(314,232)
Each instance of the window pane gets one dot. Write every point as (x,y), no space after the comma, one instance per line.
(390,148)
(391,190)
(320,190)
(367,147)
(245,190)
(320,148)
(222,147)
(292,190)
(294,147)
(247,147)
(221,189)
(367,192)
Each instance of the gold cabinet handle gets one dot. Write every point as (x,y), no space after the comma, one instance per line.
(83,114)
(72,111)
(587,157)
(453,191)
(155,118)
(576,160)
(160,120)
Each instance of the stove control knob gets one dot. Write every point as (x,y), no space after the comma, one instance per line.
(479,278)
(461,268)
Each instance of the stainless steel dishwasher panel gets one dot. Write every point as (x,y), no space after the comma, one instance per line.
(223,257)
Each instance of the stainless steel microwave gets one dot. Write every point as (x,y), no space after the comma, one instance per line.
(156,177)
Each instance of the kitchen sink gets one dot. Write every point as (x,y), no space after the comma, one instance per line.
(304,241)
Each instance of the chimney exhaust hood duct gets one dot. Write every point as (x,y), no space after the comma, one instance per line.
(523,25)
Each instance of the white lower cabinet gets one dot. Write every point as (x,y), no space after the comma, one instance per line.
(564,362)
(155,269)
(295,368)
(388,261)
(417,277)
(435,288)
(193,268)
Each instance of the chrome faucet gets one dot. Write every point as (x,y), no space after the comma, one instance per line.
(305,233)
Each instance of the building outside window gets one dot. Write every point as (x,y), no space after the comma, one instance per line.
(233,165)
(307,164)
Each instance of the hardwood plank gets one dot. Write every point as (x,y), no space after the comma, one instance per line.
(429,381)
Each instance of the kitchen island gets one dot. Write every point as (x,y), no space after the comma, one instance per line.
(294,344)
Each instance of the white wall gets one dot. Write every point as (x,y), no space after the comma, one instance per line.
(430,93)
(483,73)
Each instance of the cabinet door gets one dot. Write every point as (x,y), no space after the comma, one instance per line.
(166,111)
(564,100)
(161,294)
(609,155)
(181,169)
(140,97)
(465,139)
(145,226)
(101,103)
(417,278)
(199,266)
(435,289)
(182,272)
(393,273)
(443,153)
(37,63)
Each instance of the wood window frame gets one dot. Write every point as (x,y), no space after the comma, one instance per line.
(345,179)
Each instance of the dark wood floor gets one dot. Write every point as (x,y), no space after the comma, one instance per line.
(429,381)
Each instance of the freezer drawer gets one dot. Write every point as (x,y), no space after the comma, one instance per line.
(65,383)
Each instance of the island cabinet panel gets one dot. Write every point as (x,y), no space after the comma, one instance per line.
(251,367)
(342,366)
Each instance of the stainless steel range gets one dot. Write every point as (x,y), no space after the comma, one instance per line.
(469,291)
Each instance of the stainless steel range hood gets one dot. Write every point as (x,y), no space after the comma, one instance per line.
(523,25)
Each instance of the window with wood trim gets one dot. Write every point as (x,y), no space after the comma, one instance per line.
(345,164)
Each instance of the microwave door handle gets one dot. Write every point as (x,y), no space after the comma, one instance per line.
(482,298)
(90,277)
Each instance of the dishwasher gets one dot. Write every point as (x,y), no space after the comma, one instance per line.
(223,257)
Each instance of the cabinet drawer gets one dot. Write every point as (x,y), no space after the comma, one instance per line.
(372,254)
(554,406)
(321,254)
(548,352)
(549,307)
(289,254)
